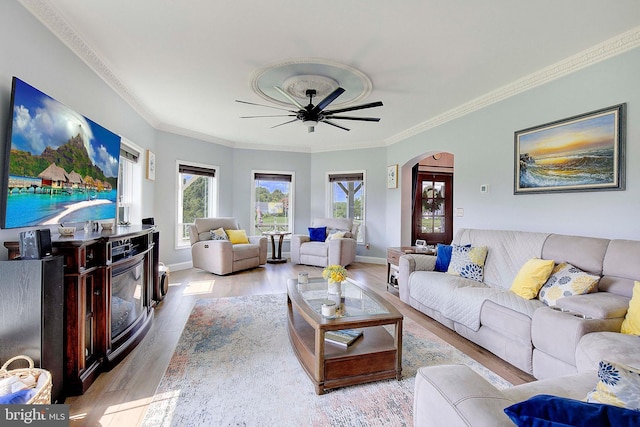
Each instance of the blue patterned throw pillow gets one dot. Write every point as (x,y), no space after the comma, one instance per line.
(619,385)
(468,262)
(219,234)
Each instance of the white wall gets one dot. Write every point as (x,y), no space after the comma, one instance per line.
(170,149)
(373,161)
(30,52)
(483,145)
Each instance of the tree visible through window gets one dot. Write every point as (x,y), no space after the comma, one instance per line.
(346,198)
(272,202)
(197,197)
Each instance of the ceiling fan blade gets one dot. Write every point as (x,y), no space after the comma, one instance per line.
(335,124)
(327,100)
(356,107)
(363,119)
(262,105)
(289,97)
(275,115)
(290,121)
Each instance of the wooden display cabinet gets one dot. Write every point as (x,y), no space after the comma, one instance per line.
(93,263)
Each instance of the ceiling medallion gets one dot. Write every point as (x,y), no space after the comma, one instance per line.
(295,76)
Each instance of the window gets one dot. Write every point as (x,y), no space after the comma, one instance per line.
(346,198)
(197,197)
(129,184)
(272,201)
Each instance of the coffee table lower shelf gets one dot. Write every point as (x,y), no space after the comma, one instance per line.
(373,357)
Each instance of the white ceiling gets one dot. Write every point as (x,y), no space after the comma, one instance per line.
(182,64)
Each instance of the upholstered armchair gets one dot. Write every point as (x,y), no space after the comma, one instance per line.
(335,245)
(220,247)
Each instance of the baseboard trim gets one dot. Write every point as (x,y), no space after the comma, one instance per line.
(371,260)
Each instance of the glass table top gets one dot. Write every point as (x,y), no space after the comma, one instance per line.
(352,301)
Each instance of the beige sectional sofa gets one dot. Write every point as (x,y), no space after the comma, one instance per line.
(455,395)
(526,333)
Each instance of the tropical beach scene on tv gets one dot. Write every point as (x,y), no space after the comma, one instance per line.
(63,167)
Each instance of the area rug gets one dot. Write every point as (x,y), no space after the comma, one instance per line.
(234,366)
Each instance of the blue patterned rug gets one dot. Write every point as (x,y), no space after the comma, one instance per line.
(234,366)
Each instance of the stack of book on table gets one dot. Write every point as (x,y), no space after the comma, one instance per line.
(343,337)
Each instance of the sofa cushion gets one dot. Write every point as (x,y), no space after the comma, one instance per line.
(619,385)
(509,314)
(596,346)
(508,251)
(317,234)
(319,249)
(468,262)
(244,251)
(547,410)
(204,226)
(532,275)
(567,280)
(237,236)
(596,305)
(631,322)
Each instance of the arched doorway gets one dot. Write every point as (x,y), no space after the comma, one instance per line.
(432,199)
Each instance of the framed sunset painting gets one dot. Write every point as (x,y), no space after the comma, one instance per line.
(581,153)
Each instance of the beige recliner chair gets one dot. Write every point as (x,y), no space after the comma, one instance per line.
(221,256)
(335,249)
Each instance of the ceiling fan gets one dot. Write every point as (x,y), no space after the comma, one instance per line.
(311,115)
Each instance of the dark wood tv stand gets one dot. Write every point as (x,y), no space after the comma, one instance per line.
(93,263)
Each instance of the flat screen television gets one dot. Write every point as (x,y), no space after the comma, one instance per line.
(59,166)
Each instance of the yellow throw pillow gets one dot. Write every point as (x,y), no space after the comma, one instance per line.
(631,322)
(531,277)
(237,236)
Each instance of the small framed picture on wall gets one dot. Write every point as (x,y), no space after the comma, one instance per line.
(151,165)
(392,176)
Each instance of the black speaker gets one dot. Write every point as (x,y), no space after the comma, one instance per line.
(35,244)
(148,221)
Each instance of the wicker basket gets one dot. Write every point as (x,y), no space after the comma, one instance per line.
(43,394)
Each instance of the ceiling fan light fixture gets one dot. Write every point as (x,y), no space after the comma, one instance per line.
(311,125)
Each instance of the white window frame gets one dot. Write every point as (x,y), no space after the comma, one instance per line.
(292,192)
(132,183)
(212,206)
(329,200)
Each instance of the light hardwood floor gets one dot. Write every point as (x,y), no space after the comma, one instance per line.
(120,397)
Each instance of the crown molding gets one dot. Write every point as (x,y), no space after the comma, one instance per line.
(600,52)
(46,13)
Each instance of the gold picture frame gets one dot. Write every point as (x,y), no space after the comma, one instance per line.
(392,176)
(151,165)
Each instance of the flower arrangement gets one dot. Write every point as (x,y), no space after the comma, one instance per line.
(334,273)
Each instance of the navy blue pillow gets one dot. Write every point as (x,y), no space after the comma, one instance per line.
(318,234)
(546,410)
(443,257)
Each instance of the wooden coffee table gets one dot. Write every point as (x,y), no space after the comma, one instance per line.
(375,356)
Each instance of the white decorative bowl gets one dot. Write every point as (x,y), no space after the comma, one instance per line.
(106,225)
(66,231)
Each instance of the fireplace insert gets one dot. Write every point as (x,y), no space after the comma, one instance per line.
(127,296)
